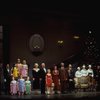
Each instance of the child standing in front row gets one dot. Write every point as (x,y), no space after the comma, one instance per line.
(49,82)
(13,86)
(28,86)
(21,85)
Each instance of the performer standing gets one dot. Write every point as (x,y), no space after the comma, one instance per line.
(36,78)
(13,86)
(43,71)
(21,85)
(1,78)
(28,86)
(71,83)
(91,78)
(97,77)
(15,72)
(19,66)
(56,79)
(49,82)
(7,78)
(24,69)
(63,78)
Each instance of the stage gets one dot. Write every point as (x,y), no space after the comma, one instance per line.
(68,96)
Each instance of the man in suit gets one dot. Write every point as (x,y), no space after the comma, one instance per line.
(42,77)
(63,75)
(1,78)
(7,79)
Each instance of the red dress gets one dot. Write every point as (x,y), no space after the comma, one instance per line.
(55,77)
(49,80)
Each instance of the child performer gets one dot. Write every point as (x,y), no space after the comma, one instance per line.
(49,81)
(28,85)
(15,72)
(13,86)
(21,85)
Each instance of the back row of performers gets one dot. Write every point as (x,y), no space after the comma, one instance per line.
(42,78)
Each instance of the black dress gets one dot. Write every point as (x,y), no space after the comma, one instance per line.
(36,76)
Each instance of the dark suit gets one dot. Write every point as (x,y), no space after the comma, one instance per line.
(1,79)
(71,80)
(7,78)
(42,76)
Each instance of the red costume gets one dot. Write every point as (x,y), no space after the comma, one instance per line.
(55,77)
(49,80)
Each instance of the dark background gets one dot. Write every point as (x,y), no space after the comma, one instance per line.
(53,22)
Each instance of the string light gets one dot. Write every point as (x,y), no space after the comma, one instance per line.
(91,50)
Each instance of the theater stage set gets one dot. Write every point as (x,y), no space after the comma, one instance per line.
(60,32)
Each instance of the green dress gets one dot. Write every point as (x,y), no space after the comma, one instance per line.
(28,87)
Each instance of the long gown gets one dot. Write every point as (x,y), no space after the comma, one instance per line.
(55,77)
(36,76)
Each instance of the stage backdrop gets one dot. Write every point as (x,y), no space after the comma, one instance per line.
(57,42)
(52,30)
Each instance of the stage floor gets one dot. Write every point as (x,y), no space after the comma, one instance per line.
(68,96)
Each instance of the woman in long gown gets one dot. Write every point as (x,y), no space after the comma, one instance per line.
(56,79)
(24,69)
(36,77)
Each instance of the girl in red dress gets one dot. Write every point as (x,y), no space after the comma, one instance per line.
(49,81)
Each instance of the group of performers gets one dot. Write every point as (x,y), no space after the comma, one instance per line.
(49,80)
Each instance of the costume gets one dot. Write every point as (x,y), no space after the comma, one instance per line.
(7,78)
(56,80)
(15,72)
(19,67)
(13,87)
(84,72)
(24,70)
(90,72)
(21,85)
(63,74)
(28,87)
(78,74)
(77,78)
(84,79)
(71,80)
(36,76)
(48,80)
(1,78)
(42,76)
